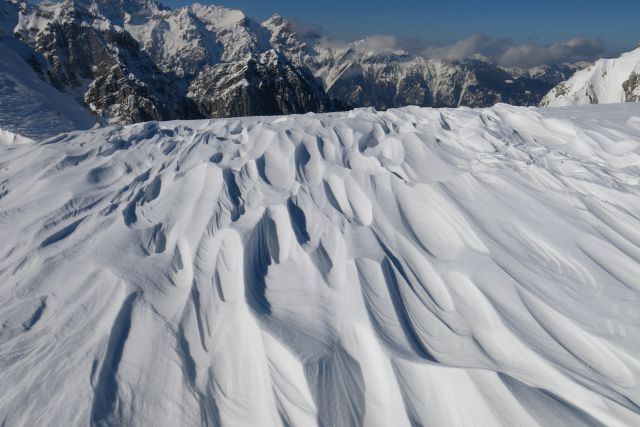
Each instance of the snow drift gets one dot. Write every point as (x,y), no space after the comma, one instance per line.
(608,81)
(409,267)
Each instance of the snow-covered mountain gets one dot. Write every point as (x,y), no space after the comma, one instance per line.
(605,82)
(136,60)
(359,75)
(408,267)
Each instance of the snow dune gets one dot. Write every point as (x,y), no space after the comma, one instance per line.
(408,267)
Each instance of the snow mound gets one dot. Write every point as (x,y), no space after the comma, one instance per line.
(407,267)
(7,137)
(608,81)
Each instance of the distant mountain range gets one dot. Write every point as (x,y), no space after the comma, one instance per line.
(136,60)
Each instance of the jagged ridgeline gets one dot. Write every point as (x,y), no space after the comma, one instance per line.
(136,60)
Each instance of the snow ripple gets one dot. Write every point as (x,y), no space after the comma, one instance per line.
(408,267)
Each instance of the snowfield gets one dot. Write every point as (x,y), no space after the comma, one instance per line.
(410,267)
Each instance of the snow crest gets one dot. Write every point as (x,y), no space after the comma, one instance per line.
(407,267)
(7,137)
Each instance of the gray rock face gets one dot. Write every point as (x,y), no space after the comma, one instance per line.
(122,98)
(632,88)
(265,85)
(135,60)
(102,64)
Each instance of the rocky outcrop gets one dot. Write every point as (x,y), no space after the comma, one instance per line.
(265,85)
(90,56)
(631,87)
(122,98)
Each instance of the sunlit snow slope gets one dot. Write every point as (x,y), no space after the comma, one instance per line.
(410,267)
(608,81)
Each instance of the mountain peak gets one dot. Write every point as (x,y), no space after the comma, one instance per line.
(275,20)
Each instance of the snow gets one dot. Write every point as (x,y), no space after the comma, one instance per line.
(30,106)
(408,267)
(7,138)
(601,83)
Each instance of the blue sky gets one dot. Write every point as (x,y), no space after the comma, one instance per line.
(612,23)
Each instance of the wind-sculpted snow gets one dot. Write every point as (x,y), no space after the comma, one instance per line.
(410,267)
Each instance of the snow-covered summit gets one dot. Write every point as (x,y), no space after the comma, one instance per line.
(407,267)
(605,82)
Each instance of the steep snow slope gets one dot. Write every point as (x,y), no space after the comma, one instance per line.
(409,267)
(608,81)
(29,105)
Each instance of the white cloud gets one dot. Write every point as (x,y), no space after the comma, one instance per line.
(573,50)
(503,51)
(380,42)
(511,54)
